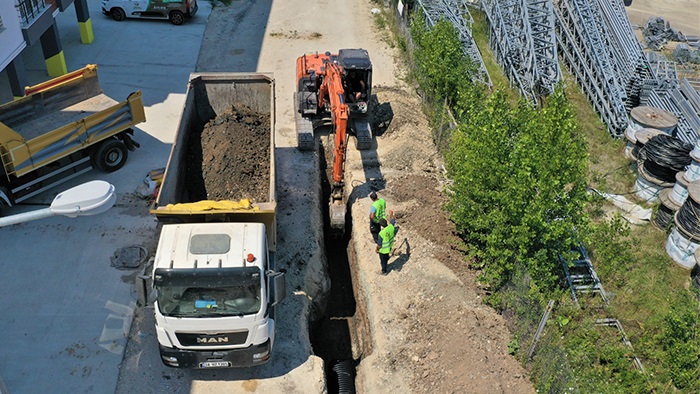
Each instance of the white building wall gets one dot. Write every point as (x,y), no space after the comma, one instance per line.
(11,40)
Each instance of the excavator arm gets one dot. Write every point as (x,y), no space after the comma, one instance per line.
(332,93)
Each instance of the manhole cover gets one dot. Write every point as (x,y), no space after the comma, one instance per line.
(129,257)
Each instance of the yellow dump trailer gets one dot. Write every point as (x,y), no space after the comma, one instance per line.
(63,128)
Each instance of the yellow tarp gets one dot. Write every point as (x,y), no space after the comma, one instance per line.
(209,205)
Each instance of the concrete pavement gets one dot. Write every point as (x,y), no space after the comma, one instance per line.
(66,311)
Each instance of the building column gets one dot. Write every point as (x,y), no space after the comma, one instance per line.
(17,76)
(84,22)
(53,52)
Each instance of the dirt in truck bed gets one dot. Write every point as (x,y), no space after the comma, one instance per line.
(231,158)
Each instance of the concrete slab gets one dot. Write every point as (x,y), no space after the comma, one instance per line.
(67,311)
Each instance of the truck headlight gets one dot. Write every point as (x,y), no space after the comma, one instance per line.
(172,361)
(261,356)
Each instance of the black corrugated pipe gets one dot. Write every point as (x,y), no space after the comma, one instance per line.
(345,372)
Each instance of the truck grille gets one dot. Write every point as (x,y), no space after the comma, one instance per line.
(223,339)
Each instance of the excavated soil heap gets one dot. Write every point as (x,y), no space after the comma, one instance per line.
(230,158)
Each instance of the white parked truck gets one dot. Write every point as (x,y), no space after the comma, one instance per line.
(214,270)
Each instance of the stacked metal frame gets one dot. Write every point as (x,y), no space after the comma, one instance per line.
(626,51)
(511,41)
(540,14)
(585,49)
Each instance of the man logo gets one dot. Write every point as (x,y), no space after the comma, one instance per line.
(212,340)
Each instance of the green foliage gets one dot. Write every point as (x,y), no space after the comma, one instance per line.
(611,247)
(513,346)
(380,21)
(519,186)
(679,339)
(443,67)
(602,362)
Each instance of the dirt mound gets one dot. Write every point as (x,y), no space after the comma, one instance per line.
(230,158)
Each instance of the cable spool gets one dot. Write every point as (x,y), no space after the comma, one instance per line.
(652,117)
(668,208)
(695,273)
(647,188)
(631,138)
(663,156)
(695,153)
(681,249)
(692,172)
(680,189)
(687,218)
(641,137)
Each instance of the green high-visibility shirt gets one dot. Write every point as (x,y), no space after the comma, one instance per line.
(379,210)
(387,237)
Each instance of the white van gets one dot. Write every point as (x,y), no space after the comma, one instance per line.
(173,10)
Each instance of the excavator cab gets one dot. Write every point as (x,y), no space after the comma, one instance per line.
(357,79)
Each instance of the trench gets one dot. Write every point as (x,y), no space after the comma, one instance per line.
(337,336)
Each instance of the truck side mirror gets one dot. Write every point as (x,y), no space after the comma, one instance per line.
(143,285)
(278,288)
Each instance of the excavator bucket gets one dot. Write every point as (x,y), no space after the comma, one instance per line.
(336,213)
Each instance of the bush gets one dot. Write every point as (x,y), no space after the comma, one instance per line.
(519,187)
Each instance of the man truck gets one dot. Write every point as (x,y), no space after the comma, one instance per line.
(214,275)
(63,128)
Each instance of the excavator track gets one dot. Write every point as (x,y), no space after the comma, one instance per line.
(363,133)
(305,128)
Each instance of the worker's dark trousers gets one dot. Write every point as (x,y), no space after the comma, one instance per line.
(384,260)
(374,229)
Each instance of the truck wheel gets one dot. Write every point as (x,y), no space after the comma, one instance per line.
(110,155)
(117,14)
(176,18)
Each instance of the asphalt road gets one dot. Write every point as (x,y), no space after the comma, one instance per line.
(66,310)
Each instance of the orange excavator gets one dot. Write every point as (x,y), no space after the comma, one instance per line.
(339,85)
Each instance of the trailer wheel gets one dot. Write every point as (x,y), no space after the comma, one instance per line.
(110,155)
(176,18)
(3,207)
(117,14)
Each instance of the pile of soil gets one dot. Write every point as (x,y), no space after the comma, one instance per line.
(230,158)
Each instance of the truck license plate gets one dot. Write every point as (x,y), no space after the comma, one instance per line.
(215,364)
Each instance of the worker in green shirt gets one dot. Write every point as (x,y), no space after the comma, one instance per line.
(386,241)
(376,213)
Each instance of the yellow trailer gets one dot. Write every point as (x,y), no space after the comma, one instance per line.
(63,128)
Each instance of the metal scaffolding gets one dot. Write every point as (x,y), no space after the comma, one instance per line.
(540,15)
(596,43)
(521,34)
(511,40)
(585,48)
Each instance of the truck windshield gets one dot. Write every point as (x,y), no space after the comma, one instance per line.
(206,293)
(184,301)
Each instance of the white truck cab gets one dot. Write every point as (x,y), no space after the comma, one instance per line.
(176,11)
(216,291)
